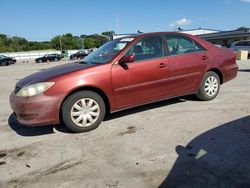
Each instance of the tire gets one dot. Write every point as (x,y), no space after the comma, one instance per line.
(4,63)
(40,61)
(78,119)
(209,86)
(56,59)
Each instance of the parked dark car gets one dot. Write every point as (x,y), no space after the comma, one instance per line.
(4,60)
(49,57)
(121,74)
(79,55)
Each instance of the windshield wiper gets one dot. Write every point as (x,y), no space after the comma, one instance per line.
(89,63)
(96,63)
(84,62)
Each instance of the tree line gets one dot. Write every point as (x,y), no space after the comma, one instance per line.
(61,42)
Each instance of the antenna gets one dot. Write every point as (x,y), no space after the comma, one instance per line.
(117,24)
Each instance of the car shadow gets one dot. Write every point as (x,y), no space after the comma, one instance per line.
(50,129)
(218,158)
(36,130)
(146,107)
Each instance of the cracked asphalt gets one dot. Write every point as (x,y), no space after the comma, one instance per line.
(180,142)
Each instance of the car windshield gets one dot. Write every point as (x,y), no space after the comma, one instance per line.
(106,52)
(2,56)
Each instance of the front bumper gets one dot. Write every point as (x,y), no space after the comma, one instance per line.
(37,110)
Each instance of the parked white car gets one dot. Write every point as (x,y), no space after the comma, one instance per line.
(241,45)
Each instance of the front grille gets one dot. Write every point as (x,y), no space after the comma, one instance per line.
(17,89)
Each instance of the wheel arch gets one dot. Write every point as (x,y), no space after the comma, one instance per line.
(218,72)
(89,88)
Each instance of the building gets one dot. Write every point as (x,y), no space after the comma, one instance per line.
(225,38)
(116,36)
(199,31)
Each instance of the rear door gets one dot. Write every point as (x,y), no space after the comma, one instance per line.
(146,79)
(51,57)
(187,60)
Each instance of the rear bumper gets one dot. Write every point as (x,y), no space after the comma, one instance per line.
(230,72)
(37,110)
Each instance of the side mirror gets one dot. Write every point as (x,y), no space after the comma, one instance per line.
(126,59)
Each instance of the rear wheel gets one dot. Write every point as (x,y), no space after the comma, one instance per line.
(83,111)
(209,86)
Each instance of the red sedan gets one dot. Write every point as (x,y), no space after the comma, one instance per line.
(121,74)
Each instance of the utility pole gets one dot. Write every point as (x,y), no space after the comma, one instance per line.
(60,43)
(82,43)
(83,37)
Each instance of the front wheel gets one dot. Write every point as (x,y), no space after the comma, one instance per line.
(209,86)
(83,111)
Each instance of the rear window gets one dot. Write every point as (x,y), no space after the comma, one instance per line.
(243,43)
(178,44)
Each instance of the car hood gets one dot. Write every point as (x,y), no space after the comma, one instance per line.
(53,72)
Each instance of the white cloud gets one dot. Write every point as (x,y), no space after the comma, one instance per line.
(180,23)
(246,1)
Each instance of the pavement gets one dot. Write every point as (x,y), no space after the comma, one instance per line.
(181,142)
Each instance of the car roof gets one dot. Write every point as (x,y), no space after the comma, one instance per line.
(141,35)
(201,41)
(241,41)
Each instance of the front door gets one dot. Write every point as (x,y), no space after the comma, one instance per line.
(146,79)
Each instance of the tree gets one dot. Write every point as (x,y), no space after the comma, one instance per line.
(108,33)
(4,41)
(55,42)
(68,42)
(91,42)
(19,44)
(243,28)
(14,44)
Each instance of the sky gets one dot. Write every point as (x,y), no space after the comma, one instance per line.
(40,20)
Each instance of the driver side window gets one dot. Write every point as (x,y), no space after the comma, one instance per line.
(147,48)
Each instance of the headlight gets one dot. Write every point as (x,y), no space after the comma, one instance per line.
(35,89)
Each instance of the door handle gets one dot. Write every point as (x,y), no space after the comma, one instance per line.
(162,65)
(204,57)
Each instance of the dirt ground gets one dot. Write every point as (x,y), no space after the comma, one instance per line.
(180,142)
